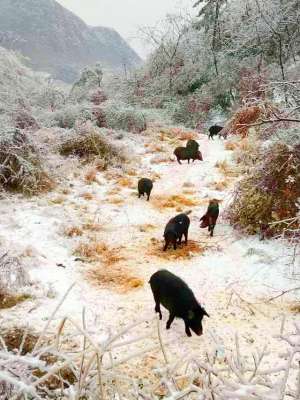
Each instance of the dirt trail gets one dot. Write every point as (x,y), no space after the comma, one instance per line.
(100,235)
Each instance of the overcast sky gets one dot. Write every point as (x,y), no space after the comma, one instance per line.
(125,15)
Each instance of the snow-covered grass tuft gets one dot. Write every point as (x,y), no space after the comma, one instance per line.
(91,146)
(21,166)
(13,282)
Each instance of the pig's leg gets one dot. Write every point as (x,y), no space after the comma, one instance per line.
(166,245)
(157,305)
(187,329)
(170,320)
(186,237)
(179,239)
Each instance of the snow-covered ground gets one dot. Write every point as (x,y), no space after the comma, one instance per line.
(232,275)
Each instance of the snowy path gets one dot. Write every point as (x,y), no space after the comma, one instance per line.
(230,270)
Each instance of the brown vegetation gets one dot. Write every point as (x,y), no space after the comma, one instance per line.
(192,249)
(226,169)
(87,196)
(114,278)
(116,200)
(242,120)
(220,185)
(73,231)
(94,250)
(146,227)
(270,193)
(21,166)
(11,300)
(126,182)
(57,200)
(173,201)
(90,146)
(91,176)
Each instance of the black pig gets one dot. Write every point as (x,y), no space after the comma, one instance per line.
(145,185)
(185,153)
(175,229)
(175,295)
(193,145)
(214,130)
(209,219)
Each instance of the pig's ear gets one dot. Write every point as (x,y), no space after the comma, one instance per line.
(204,312)
(191,314)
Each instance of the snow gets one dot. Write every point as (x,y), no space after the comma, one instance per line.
(233,271)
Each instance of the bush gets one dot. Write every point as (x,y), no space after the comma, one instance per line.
(21,168)
(13,279)
(67,116)
(124,117)
(271,192)
(241,121)
(191,109)
(92,145)
(24,120)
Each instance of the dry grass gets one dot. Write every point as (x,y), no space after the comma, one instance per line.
(91,176)
(188,251)
(226,169)
(188,135)
(113,191)
(10,300)
(159,159)
(146,227)
(189,191)
(91,146)
(95,251)
(188,185)
(91,226)
(131,172)
(114,278)
(87,196)
(116,200)
(57,200)
(65,191)
(295,308)
(220,185)
(21,340)
(174,201)
(13,339)
(22,169)
(73,231)
(126,182)
(242,120)
(155,148)
(231,145)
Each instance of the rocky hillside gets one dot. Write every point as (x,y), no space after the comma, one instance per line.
(57,41)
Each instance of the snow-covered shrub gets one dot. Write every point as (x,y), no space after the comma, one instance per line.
(190,110)
(13,280)
(124,117)
(24,120)
(91,145)
(99,116)
(112,365)
(98,97)
(21,168)
(67,116)
(271,192)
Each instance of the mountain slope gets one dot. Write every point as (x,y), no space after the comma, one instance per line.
(57,41)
